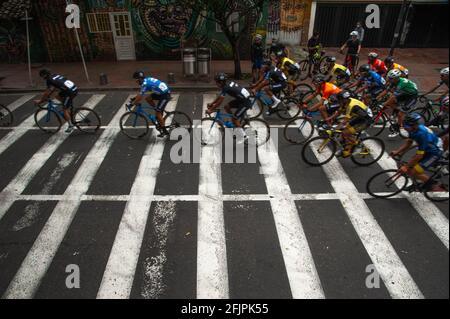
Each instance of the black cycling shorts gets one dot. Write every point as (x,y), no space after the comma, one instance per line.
(242,107)
(278,87)
(360,123)
(406,102)
(163,100)
(67,98)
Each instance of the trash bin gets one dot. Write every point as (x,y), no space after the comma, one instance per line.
(203,61)
(189,60)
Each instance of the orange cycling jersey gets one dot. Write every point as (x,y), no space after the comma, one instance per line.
(328,89)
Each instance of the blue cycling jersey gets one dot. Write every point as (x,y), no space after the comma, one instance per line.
(374,80)
(154,86)
(428,142)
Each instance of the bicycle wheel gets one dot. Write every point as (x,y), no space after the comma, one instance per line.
(134,125)
(257,131)
(304,70)
(369,151)
(386,184)
(288,109)
(6,116)
(302,90)
(209,132)
(425,113)
(319,151)
(86,120)
(256,110)
(178,120)
(379,125)
(323,68)
(299,130)
(442,196)
(48,120)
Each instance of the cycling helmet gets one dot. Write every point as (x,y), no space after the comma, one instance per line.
(445,101)
(344,95)
(364,68)
(389,60)
(444,71)
(331,59)
(394,74)
(319,79)
(221,77)
(412,119)
(138,75)
(373,55)
(44,73)
(354,34)
(258,37)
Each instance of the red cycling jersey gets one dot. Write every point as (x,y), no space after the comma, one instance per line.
(378,66)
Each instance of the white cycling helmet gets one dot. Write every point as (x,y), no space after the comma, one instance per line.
(258,36)
(444,71)
(445,101)
(394,74)
(373,55)
(354,33)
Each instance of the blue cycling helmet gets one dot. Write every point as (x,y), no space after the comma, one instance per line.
(412,119)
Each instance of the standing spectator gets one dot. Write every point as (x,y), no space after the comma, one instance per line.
(314,46)
(353,46)
(361,32)
(257,57)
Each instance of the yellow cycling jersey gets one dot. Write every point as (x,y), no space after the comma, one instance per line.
(396,66)
(287,61)
(340,69)
(350,109)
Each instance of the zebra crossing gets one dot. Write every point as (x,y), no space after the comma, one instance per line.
(140,226)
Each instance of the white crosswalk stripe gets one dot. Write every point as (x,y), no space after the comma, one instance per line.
(213,278)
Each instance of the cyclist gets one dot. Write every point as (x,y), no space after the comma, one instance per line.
(358,117)
(153,90)
(376,64)
(289,67)
(444,80)
(325,90)
(257,56)
(339,73)
(273,81)
(353,46)
(428,153)
(371,82)
(314,47)
(67,91)
(278,49)
(391,65)
(404,97)
(241,101)
(443,114)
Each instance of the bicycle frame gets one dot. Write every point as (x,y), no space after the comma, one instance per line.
(140,109)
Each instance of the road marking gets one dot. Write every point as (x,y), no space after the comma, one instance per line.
(302,273)
(119,273)
(18,103)
(432,215)
(396,277)
(33,268)
(212,268)
(31,168)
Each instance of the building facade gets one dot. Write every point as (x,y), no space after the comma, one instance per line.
(157,29)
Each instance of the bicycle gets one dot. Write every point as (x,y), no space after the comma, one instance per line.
(135,124)
(213,129)
(432,113)
(323,148)
(287,109)
(51,118)
(313,64)
(300,129)
(349,62)
(391,182)
(382,119)
(6,116)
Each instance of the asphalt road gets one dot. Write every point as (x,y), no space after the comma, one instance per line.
(139,226)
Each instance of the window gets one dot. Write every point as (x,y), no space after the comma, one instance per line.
(234,18)
(98,22)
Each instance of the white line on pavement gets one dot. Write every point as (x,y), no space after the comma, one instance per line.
(18,103)
(119,273)
(35,265)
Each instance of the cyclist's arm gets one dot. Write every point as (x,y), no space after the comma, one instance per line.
(361,89)
(44,98)
(402,150)
(343,47)
(313,96)
(262,84)
(432,90)
(217,102)
(359,48)
(138,99)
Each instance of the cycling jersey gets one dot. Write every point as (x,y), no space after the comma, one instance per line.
(374,80)
(339,70)
(154,86)
(406,87)
(275,76)
(235,91)
(328,89)
(401,68)
(429,144)
(378,66)
(357,109)
(61,83)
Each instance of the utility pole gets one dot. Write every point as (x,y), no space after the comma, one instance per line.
(399,26)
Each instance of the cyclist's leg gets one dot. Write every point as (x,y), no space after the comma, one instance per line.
(162,101)
(326,111)
(419,170)
(67,103)
(406,103)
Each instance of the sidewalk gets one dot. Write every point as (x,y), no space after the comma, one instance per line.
(424,66)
